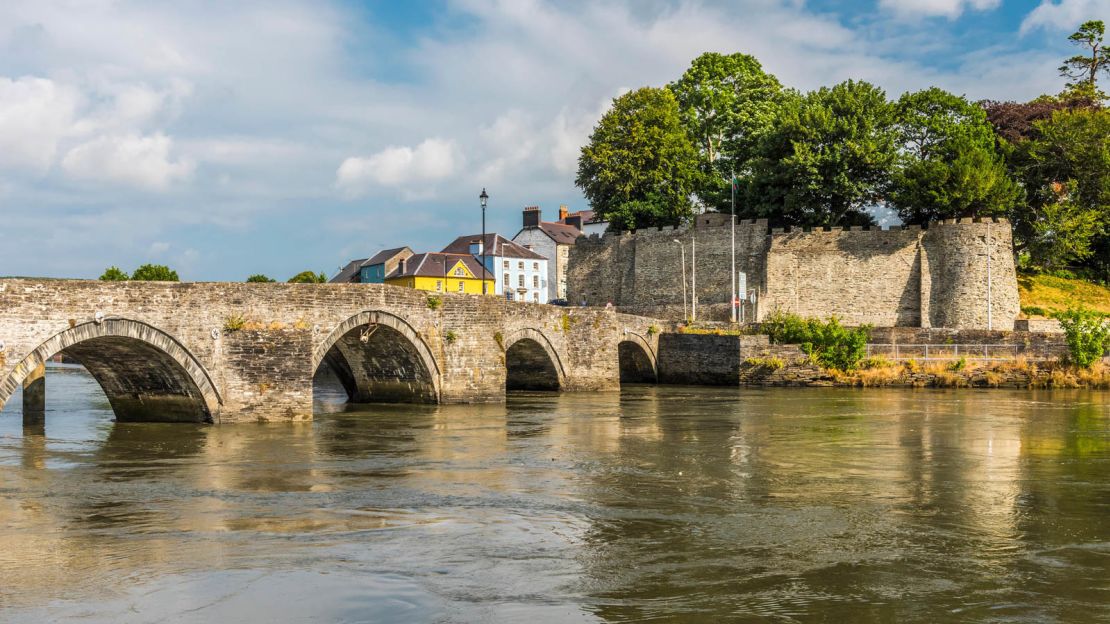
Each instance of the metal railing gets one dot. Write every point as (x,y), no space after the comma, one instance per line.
(905,351)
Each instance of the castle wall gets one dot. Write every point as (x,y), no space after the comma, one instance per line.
(905,277)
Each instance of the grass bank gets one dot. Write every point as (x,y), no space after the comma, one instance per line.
(1042,294)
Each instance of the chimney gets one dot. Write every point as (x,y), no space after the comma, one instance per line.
(563,213)
(531,216)
(401,267)
(576,221)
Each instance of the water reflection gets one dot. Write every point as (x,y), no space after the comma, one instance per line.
(656,504)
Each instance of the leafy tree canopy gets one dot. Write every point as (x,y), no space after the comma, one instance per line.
(826,160)
(948,166)
(113,274)
(308,277)
(154,273)
(259,278)
(1083,69)
(639,157)
(726,103)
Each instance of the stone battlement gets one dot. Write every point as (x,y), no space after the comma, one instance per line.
(942,275)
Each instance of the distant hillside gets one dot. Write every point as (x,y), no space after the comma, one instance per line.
(1041,295)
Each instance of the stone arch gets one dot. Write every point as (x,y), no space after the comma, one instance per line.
(531,362)
(147,374)
(392,364)
(636,359)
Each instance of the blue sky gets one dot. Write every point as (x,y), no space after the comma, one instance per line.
(226,139)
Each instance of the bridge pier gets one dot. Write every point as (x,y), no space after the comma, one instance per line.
(34,398)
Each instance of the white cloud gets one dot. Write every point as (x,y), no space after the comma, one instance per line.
(140,161)
(35,115)
(400,166)
(946,8)
(1064,15)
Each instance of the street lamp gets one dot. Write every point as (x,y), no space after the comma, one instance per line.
(484,199)
(682,247)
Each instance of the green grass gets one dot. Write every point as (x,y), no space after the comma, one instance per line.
(1041,294)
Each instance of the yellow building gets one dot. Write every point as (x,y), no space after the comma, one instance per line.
(441,272)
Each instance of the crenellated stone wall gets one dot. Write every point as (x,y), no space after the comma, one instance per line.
(913,277)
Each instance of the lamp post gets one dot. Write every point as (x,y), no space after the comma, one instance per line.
(484,199)
(734,302)
(682,247)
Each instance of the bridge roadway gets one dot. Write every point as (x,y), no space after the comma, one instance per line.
(232,352)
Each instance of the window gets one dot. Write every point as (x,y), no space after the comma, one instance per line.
(535,266)
(520,265)
(459,272)
(520,280)
(506,264)
(535,281)
(439,285)
(536,297)
(462,286)
(506,280)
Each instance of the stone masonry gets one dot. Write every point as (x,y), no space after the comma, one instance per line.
(228,352)
(911,277)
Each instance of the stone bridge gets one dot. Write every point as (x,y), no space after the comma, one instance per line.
(231,352)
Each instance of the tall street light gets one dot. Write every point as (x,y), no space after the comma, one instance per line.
(682,247)
(484,198)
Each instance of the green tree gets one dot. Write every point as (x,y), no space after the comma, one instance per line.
(1087,333)
(827,159)
(726,103)
(1066,171)
(259,278)
(113,274)
(1082,69)
(639,152)
(154,273)
(948,166)
(308,277)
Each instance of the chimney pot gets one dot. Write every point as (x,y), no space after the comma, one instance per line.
(563,212)
(531,216)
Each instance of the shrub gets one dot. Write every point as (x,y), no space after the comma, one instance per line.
(1087,333)
(235,322)
(784,328)
(154,273)
(450,336)
(258,278)
(827,343)
(652,330)
(1033,311)
(959,364)
(308,277)
(768,363)
(113,274)
(434,301)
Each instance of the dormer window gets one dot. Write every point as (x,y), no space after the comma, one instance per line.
(459,272)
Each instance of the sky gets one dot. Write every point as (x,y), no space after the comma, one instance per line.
(274,136)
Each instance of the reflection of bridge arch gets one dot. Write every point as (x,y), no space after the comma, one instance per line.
(531,363)
(146,374)
(636,359)
(379,357)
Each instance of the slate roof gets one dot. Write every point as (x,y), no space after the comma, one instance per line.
(496,245)
(561,233)
(437,264)
(348,273)
(384,255)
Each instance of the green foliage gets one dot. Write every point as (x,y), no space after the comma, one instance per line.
(1087,333)
(948,166)
(769,364)
(958,365)
(434,302)
(258,278)
(1033,311)
(113,274)
(726,103)
(639,167)
(827,158)
(235,322)
(829,343)
(652,329)
(154,273)
(308,277)
(450,336)
(1081,68)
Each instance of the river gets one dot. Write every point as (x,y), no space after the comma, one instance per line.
(660,504)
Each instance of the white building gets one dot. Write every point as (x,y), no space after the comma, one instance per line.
(521,274)
(553,241)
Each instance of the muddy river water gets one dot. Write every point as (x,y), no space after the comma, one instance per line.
(660,504)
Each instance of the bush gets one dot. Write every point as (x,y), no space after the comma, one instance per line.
(114,274)
(450,336)
(829,343)
(1033,311)
(434,301)
(154,273)
(258,278)
(308,277)
(1088,335)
